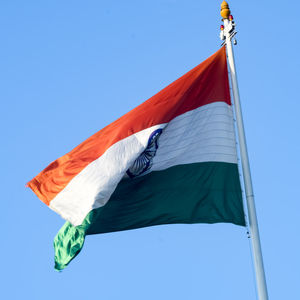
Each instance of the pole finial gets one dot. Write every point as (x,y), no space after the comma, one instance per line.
(225,11)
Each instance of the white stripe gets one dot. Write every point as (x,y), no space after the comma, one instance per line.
(93,186)
(202,135)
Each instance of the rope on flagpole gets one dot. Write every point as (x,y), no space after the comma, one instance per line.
(244,202)
(227,33)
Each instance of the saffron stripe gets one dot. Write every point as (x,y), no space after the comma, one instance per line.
(206,83)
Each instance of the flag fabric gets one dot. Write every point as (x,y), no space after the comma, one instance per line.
(170,160)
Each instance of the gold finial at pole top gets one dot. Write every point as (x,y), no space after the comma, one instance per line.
(225,11)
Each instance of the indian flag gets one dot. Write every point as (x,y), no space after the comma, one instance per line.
(172,159)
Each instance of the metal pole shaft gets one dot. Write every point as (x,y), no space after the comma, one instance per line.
(255,240)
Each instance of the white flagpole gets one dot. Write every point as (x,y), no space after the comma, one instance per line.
(227,33)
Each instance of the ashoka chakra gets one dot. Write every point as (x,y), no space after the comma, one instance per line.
(144,161)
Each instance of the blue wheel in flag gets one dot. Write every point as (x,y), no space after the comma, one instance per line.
(144,161)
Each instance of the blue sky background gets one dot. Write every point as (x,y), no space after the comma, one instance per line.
(68,68)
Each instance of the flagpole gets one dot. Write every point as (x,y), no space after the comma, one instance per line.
(227,33)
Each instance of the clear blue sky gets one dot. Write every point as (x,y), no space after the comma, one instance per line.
(68,68)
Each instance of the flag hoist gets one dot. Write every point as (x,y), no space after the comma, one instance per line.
(227,34)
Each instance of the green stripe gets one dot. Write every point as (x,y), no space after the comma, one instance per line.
(195,193)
